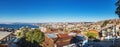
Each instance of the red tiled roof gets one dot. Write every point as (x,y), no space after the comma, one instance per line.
(77,31)
(95,31)
(62,35)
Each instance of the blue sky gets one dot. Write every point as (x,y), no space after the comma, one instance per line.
(34,11)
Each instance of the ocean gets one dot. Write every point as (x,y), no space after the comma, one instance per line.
(17,26)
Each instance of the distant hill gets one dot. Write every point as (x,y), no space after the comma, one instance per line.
(110,21)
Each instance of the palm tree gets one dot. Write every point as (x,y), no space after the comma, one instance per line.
(118,8)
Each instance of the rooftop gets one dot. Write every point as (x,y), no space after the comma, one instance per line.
(51,35)
(4,34)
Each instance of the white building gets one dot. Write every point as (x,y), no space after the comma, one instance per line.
(43,29)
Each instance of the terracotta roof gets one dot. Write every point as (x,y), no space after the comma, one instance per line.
(77,31)
(3,45)
(62,35)
(95,31)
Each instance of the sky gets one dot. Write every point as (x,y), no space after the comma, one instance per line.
(35,11)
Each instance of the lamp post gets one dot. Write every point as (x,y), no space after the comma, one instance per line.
(114,34)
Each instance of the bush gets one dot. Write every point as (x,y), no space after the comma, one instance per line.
(92,35)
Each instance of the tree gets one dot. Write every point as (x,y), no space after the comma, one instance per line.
(35,36)
(21,33)
(105,23)
(30,37)
(118,8)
